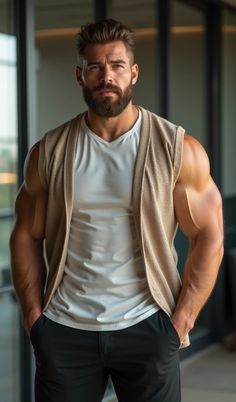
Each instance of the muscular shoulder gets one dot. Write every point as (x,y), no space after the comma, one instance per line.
(195,168)
(196,196)
(31,176)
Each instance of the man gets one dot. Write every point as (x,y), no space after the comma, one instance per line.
(105,193)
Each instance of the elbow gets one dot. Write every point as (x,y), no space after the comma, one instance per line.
(221,253)
(12,239)
(15,236)
(214,243)
(19,238)
(221,244)
(219,248)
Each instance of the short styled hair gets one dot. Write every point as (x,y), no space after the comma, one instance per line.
(105,31)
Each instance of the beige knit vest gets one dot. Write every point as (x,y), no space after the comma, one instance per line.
(156,171)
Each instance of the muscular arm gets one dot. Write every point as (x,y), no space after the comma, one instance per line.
(199,213)
(26,242)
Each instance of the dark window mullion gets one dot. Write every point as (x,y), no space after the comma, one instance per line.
(102,9)
(164,55)
(213,93)
(22,14)
(21,34)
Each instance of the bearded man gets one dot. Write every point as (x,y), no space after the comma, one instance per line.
(103,196)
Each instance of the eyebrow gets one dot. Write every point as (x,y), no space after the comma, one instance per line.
(119,61)
(89,63)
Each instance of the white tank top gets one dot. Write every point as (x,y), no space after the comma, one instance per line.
(104,286)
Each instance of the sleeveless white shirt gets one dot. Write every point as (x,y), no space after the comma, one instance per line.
(104,286)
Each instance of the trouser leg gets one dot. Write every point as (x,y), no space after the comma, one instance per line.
(68,365)
(145,361)
(73,365)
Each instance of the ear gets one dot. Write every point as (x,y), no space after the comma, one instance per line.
(134,72)
(79,75)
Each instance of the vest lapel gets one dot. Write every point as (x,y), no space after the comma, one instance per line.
(68,167)
(139,171)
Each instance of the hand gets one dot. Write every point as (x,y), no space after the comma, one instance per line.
(30,318)
(181,325)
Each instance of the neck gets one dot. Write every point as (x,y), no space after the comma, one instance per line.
(109,128)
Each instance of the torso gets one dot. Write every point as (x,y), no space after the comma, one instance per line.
(104,285)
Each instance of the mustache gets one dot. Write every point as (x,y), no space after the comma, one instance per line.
(112,87)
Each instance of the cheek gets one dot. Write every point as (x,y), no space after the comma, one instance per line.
(90,76)
(124,78)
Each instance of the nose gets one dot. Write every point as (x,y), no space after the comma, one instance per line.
(106,74)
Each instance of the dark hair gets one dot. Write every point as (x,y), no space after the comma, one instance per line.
(105,31)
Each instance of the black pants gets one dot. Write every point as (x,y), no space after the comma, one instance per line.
(74,365)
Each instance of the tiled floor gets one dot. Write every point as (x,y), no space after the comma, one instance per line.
(210,376)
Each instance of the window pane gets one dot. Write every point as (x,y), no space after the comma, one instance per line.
(228,98)
(8,129)
(187,70)
(6,226)
(144,25)
(59,98)
(9,353)
(8,126)
(9,342)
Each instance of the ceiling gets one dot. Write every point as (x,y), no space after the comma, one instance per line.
(51,14)
(59,14)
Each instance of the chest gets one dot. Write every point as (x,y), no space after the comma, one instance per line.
(103,172)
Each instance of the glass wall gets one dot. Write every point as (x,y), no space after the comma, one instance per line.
(59,97)
(9,331)
(187,101)
(8,128)
(9,348)
(144,22)
(228,103)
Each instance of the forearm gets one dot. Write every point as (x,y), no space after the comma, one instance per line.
(28,273)
(200,273)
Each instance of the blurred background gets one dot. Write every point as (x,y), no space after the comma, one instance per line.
(186,51)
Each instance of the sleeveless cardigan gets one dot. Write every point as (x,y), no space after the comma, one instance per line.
(157,167)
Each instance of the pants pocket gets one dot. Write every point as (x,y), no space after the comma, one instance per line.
(171,329)
(36,325)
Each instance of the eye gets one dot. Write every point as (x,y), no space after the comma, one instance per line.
(93,67)
(118,66)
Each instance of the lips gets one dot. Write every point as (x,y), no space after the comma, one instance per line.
(107,92)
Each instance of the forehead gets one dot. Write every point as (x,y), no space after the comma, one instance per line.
(106,51)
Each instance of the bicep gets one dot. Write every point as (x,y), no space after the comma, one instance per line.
(197,199)
(198,211)
(31,202)
(30,214)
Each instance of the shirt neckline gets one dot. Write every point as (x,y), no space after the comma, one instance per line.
(92,134)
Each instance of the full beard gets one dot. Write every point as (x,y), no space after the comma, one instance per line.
(108,107)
